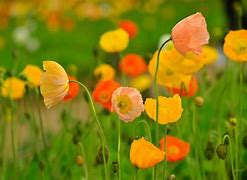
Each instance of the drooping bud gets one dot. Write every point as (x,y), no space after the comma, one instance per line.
(79,160)
(171,177)
(221,151)
(100,157)
(199,101)
(245,141)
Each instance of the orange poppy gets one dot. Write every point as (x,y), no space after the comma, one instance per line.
(133,65)
(176,149)
(144,154)
(129,26)
(182,91)
(103,92)
(73,90)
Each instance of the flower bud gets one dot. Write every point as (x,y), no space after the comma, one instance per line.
(79,160)
(199,101)
(233,121)
(171,177)
(209,151)
(245,141)
(221,151)
(100,158)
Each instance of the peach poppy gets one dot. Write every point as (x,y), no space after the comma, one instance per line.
(170,109)
(133,65)
(103,92)
(127,103)
(183,91)
(129,26)
(190,34)
(176,149)
(73,90)
(54,83)
(114,41)
(235,45)
(144,154)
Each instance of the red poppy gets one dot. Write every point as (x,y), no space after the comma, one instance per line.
(103,92)
(73,90)
(130,27)
(176,149)
(133,65)
(192,89)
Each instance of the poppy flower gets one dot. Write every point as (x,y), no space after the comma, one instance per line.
(73,90)
(183,91)
(190,34)
(235,45)
(13,88)
(209,54)
(170,109)
(142,82)
(176,149)
(127,103)
(132,65)
(103,92)
(129,26)
(144,154)
(33,75)
(54,83)
(104,72)
(114,41)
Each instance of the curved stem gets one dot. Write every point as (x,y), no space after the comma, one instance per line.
(119,149)
(102,135)
(156,93)
(146,127)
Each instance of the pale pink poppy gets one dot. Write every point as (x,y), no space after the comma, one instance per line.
(127,103)
(190,34)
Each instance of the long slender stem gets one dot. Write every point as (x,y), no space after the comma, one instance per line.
(84,156)
(148,131)
(232,162)
(135,174)
(165,162)
(102,135)
(13,138)
(119,149)
(156,93)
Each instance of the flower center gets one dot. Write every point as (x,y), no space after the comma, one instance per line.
(124,104)
(241,48)
(169,72)
(173,150)
(104,97)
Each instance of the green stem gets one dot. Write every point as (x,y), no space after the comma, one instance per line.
(135,174)
(84,156)
(119,149)
(102,135)
(232,163)
(148,131)
(156,93)
(164,161)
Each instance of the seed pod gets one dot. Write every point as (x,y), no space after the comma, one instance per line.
(79,160)
(199,101)
(100,158)
(245,141)
(221,151)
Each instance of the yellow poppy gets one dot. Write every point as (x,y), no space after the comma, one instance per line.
(144,154)
(235,46)
(170,109)
(13,88)
(54,83)
(208,55)
(33,75)
(142,83)
(114,41)
(104,72)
